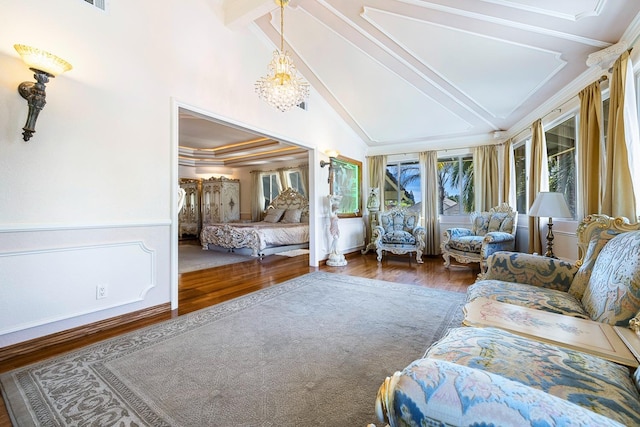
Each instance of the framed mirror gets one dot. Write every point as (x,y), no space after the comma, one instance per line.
(346,179)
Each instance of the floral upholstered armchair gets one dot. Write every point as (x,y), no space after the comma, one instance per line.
(490,232)
(399,232)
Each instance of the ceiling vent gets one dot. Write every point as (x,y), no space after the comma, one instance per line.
(100,4)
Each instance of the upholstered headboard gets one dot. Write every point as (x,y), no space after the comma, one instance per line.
(290,199)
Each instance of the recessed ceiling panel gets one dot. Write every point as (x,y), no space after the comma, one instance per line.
(496,74)
(566,9)
(386,107)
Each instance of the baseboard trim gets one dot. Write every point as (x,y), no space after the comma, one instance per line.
(37,344)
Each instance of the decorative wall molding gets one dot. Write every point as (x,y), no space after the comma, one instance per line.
(24,228)
(62,281)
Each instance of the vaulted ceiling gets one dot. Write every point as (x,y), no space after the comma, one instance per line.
(416,72)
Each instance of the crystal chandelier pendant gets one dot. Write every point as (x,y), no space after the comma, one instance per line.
(282,87)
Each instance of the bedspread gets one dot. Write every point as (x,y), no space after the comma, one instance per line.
(255,235)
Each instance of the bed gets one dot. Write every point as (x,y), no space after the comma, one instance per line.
(285,226)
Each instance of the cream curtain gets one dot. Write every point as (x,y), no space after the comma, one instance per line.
(429,173)
(304,178)
(257,198)
(377,166)
(538,180)
(591,152)
(508,169)
(485,177)
(622,148)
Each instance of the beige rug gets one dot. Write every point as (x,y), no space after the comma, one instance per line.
(309,352)
(294,253)
(193,258)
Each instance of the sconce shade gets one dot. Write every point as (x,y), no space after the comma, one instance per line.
(43,61)
(552,205)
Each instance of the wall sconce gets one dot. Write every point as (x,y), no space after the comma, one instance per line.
(332,155)
(45,65)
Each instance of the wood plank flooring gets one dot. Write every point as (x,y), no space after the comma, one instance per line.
(200,289)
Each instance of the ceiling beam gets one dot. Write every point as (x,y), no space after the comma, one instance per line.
(240,13)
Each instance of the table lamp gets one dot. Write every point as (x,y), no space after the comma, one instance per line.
(552,205)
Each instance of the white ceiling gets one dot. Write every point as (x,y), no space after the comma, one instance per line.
(414,72)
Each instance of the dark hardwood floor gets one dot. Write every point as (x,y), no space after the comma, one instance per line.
(200,289)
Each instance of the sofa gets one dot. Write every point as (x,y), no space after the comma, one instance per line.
(490,232)
(399,232)
(489,376)
(604,285)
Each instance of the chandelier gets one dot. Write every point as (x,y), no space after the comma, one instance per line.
(282,87)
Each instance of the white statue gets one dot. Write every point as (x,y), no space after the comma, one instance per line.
(336,259)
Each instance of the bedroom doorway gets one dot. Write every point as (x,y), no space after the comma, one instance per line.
(205,146)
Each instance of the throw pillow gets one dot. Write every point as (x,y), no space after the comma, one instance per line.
(273,215)
(291,216)
(613,293)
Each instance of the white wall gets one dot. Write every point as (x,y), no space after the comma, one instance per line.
(89,199)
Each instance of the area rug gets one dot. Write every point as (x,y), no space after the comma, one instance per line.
(311,351)
(193,258)
(293,253)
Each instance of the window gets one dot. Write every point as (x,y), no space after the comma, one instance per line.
(402,185)
(295,182)
(561,163)
(519,154)
(455,185)
(561,150)
(270,188)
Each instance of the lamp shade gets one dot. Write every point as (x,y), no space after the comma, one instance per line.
(41,60)
(552,205)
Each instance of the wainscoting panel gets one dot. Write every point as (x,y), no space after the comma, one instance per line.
(55,279)
(61,283)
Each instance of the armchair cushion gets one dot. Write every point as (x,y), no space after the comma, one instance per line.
(398,237)
(467,243)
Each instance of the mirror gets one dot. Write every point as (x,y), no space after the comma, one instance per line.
(346,177)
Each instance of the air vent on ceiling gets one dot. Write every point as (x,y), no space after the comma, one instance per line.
(100,4)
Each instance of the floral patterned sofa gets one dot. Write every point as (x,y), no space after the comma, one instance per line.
(490,232)
(399,232)
(488,376)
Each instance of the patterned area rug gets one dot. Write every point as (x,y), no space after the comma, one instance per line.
(193,258)
(309,352)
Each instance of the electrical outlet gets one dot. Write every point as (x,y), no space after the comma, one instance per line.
(101,291)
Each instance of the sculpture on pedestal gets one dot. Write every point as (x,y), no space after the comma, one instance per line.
(336,259)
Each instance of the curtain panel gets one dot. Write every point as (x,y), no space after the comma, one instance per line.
(508,169)
(429,175)
(622,150)
(257,197)
(591,152)
(538,180)
(485,175)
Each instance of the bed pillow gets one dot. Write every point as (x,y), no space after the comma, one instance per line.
(273,215)
(291,216)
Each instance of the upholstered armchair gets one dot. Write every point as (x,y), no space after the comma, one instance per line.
(399,232)
(490,232)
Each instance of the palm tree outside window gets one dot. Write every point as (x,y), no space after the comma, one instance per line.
(403,185)
(455,185)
